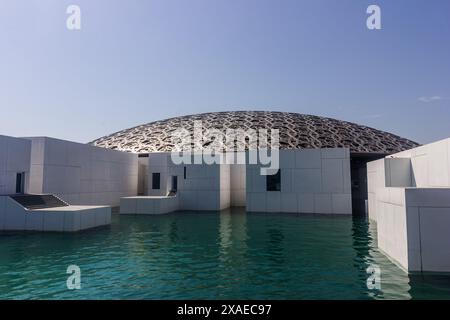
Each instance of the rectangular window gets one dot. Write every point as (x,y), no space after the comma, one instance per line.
(273,182)
(20,179)
(184,173)
(156,180)
(174,183)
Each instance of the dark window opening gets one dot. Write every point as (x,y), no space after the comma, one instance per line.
(20,179)
(184,173)
(143,155)
(174,183)
(174,187)
(273,182)
(156,180)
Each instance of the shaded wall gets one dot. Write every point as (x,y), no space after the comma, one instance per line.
(14,158)
(312,181)
(82,174)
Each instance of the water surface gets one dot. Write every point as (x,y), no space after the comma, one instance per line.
(227,255)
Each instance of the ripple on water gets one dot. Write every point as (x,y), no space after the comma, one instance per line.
(209,256)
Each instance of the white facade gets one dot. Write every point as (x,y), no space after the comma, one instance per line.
(149,205)
(61,219)
(81,174)
(409,198)
(200,186)
(142,176)
(14,159)
(238,193)
(312,181)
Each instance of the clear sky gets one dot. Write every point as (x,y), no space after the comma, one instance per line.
(136,61)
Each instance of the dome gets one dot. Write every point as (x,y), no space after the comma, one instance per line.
(297,131)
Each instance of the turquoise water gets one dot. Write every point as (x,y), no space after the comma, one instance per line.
(228,255)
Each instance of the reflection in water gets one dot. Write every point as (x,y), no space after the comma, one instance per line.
(210,255)
(394,282)
(275,245)
(362,242)
(233,223)
(173,233)
(233,235)
(225,234)
(232,257)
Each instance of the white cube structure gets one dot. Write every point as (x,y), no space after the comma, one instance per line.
(14,217)
(14,165)
(199,186)
(18,178)
(82,174)
(409,198)
(149,204)
(312,181)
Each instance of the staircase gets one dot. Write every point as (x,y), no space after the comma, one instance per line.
(39,201)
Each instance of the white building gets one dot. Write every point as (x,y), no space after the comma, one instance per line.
(181,187)
(326,166)
(409,198)
(14,165)
(82,174)
(308,181)
(322,165)
(54,185)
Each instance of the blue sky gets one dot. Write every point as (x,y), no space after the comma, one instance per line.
(136,61)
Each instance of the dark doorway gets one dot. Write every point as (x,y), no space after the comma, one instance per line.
(156,180)
(273,181)
(174,184)
(20,182)
(358,166)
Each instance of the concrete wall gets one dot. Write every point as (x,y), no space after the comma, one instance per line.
(237,185)
(149,205)
(430,164)
(203,187)
(82,174)
(142,176)
(62,219)
(427,166)
(376,180)
(409,198)
(428,225)
(412,226)
(14,158)
(386,173)
(206,187)
(225,186)
(392,225)
(158,163)
(312,181)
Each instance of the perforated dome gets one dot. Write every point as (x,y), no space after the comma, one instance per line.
(297,131)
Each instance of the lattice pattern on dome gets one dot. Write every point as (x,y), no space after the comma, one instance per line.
(297,131)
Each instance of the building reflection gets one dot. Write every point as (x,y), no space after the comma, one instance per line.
(394,284)
(233,235)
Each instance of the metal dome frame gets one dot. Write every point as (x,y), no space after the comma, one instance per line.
(297,131)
